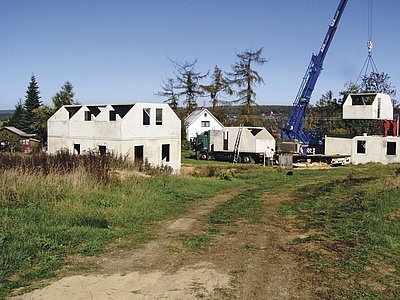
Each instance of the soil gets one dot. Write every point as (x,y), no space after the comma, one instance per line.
(245,261)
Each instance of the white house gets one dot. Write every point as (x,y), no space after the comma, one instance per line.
(199,121)
(368,106)
(140,131)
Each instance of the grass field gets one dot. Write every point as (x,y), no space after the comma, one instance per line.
(355,224)
(352,215)
(44,218)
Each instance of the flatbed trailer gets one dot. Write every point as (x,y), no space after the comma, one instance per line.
(333,160)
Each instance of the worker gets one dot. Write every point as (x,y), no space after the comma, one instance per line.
(269,154)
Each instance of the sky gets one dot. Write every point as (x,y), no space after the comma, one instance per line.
(120,51)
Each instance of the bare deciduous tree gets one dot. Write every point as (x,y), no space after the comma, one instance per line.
(168,91)
(245,77)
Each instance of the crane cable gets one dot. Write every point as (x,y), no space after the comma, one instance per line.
(369,62)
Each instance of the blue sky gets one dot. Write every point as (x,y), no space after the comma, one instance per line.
(117,51)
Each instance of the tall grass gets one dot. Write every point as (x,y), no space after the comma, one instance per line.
(48,211)
(63,162)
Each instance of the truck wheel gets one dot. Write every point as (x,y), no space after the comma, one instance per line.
(246,159)
(203,156)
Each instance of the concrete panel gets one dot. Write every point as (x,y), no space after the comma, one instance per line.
(107,130)
(376,150)
(334,146)
(58,129)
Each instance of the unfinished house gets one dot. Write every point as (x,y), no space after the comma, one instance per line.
(367,148)
(252,140)
(199,121)
(140,131)
(368,106)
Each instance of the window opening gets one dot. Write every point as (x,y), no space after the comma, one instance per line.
(205,123)
(77,149)
(165,152)
(391,148)
(88,115)
(379,108)
(225,140)
(102,149)
(113,115)
(146,116)
(139,154)
(361,147)
(158,116)
(362,99)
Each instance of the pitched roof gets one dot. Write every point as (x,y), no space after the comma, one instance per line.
(19,132)
(193,116)
(197,113)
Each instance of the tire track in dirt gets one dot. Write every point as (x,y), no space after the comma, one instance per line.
(244,261)
(160,269)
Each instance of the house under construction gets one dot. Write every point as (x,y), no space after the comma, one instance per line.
(368,148)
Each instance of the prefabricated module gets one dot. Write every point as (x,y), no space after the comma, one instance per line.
(235,144)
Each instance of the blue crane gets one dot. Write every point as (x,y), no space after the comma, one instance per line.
(293,129)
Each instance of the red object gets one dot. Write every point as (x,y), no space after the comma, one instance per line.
(386,127)
(394,124)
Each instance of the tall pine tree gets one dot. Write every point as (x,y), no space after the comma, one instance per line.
(32,102)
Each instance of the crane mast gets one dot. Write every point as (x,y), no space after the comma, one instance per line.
(293,129)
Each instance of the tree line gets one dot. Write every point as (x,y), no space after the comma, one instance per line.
(31,115)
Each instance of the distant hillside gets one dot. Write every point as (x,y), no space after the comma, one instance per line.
(5,114)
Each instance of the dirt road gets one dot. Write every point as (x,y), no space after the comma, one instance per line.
(244,261)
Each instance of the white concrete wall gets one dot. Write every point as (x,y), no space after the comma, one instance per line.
(369,112)
(152,151)
(248,142)
(120,136)
(195,127)
(334,146)
(79,128)
(375,150)
(105,129)
(58,130)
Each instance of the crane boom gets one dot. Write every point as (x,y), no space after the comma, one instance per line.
(293,129)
